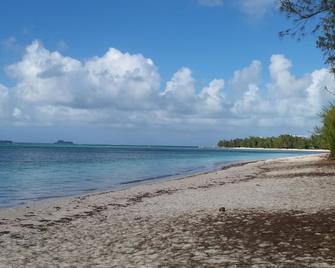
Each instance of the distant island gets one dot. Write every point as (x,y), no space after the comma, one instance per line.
(5,142)
(283,142)
(62,142)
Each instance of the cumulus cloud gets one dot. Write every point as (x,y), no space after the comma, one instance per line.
(251,103)
(284,83)
(248,75)
(211,98)
(116,79)
(124,90)
(179,94)
(316,92)
(4,102)
(285,97)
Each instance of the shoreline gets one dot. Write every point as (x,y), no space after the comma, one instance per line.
(190,173)
(129,185)
(160,179)
(212,219)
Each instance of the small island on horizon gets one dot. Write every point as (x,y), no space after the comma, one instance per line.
(6,142)
(62,142)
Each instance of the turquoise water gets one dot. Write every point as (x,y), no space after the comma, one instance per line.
(38,171)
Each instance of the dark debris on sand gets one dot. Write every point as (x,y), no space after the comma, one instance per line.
(262,239)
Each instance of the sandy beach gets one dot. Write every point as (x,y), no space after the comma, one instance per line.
(272,213)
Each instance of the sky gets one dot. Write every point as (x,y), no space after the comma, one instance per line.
(177,72)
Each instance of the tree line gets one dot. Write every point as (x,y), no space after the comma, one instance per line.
(286,141)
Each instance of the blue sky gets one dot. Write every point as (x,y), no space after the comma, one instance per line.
(210,39)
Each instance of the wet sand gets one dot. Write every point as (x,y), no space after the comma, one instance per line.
(273,213)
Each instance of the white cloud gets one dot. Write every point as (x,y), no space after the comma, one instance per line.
(4,102)
(246,76)
(251,103)
(289,93)
(284,83)
(211,98)
(123,90)
(123,80)
(42,76)
(115,79)
(251,8)
(179,94)
(317,91)
(211,3)
(286,96)
(257,8)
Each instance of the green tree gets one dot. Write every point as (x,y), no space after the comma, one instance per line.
(327,131)
(313,16)
(282,141)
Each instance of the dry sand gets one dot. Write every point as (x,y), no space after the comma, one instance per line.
(273,213)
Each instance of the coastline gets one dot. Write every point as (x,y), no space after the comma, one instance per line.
(125,227)
(53,196)
(275,149)
(127,185)
(130,184)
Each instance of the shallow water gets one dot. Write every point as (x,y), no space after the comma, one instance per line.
(38,171)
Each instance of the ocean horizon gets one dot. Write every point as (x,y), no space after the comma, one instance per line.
(37,171)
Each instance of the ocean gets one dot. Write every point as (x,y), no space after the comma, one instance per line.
(30,172)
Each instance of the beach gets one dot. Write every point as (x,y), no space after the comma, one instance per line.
(268,213)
